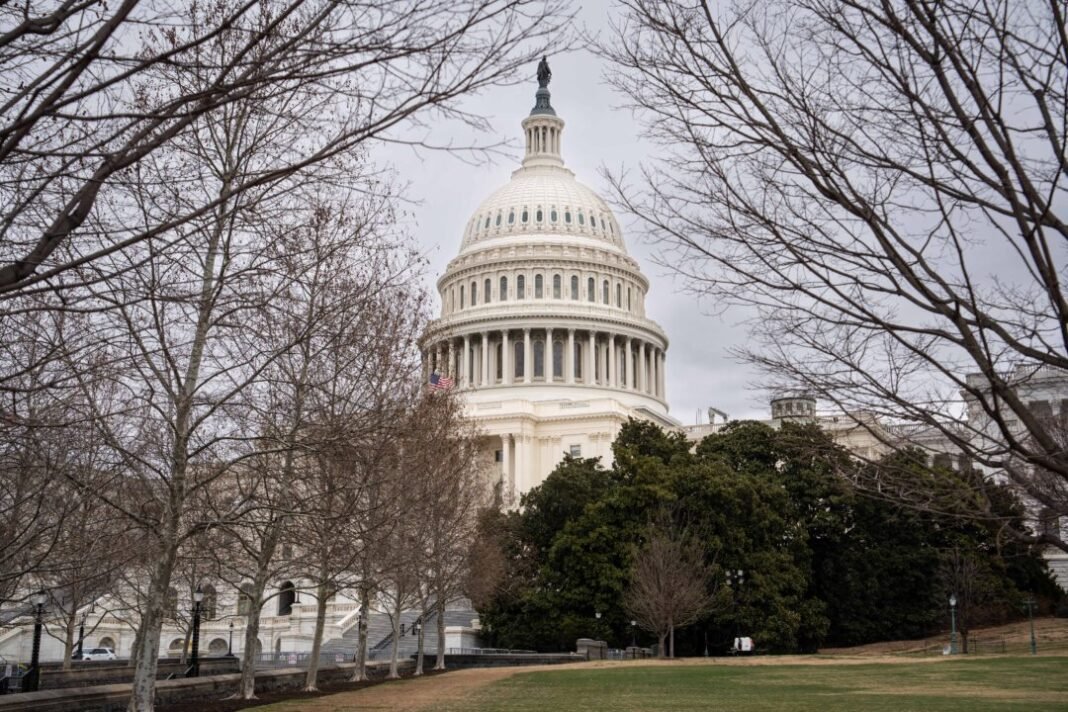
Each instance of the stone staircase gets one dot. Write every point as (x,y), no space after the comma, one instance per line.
(380,634)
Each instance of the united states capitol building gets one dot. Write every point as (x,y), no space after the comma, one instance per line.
(544,332)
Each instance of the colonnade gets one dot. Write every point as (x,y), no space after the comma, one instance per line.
(549,355)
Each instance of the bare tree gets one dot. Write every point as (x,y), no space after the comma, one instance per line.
(83,104)
(669,585)
(882,185)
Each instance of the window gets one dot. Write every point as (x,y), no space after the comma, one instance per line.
(511,217)
(567,216)
(486,290)
(461,296)
(503,293)
(539,359)
(604,292)
(520,287)
(593,221)
(575,451)
(558,359)
(538,215)
(537,286)
(552,215)
(574,287)
(498,456)
(619,295)
(244,599)
(591,290)
(452,298)
(498,354)
(576,360)
(556,286)
(487,221)
(210,602)
(498,219)
(474,293)
(287,596)
(525,216)
(581,218)
(629,299)
(518,353)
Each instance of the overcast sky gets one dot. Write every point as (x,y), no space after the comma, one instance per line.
(446,191)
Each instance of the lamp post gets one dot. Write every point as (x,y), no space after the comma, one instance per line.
(953,624)
(194,661)
(634,634)
(230,642)
(735,579)
(1030,603)
(81,631)
(31,682)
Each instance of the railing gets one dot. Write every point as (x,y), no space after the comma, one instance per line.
(11,678)
(488,651)
(285,659)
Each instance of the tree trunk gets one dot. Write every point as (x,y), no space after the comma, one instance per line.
(439,606)
(317,640)
(143,687)
(660,646)
(68,640)
(135,647)
(247,690)
(360,673)
(184,657)
(394,672)
(672,636)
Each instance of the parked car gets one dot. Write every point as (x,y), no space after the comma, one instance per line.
(99,654)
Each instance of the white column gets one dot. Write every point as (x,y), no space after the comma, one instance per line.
(569,357)
(451,368)
(661,375)
(528,358)
(519,474)
(506,355)
(465,363)
(550,373)
(588,377)
(612,380)
(643,369)
(485,358)
(507,477)
(630,364)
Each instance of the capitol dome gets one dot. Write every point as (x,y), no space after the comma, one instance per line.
(543,326)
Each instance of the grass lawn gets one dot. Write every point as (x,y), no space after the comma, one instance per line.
(976,685)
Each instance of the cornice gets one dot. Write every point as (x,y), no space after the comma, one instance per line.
(537,317)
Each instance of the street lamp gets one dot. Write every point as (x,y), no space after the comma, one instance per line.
(194,661)
(31,682)
(230,642)
(736,579)
(81,630)
(634,634)
(1030,603)
(953,624)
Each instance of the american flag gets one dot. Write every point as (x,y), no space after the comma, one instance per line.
(440,383)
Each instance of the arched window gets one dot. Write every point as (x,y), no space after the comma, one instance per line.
(486,291)
(518,353)
(520,287)
(576,360)
(629,300)
(287,596)
(107,642)
(539,359)
(217,647)
(170,604)
(538,215)
(524,216)
(552,215)
(244,599)
(623,367)
(567,216)
(574,287)
(487,221)
(619,295)
(474,293)
(503,293)
(511,217)
(558,359)
(498,352)
(581,218)
(593,221)
(591,289)
(537,286)
(208,605)
(498,219)
(556,286)
(461,296)
(604,291)
(452,298)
